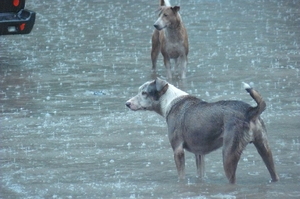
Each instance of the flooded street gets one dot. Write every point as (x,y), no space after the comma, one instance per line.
(65,131)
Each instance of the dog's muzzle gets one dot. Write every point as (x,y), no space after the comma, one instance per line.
(128,104)
(158,27)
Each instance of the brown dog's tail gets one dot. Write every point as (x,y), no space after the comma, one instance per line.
(261,104)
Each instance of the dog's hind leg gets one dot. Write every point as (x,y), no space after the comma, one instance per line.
(155,49)
(179,161)
(200,165)
(235,141)
(230,162)
(262,146)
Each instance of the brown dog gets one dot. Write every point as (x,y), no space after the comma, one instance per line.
(170,38)
(201,127)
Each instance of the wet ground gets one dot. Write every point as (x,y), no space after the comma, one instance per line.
(66,133)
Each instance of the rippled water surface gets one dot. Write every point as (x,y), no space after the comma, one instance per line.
(66,133)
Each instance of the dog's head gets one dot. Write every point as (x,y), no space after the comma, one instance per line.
(148,96)
(168,17)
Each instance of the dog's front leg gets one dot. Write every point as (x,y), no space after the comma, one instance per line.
(167,63)
(179,161)
(181,64)
(200,165)
(155,49)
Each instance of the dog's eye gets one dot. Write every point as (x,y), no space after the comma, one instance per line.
(165,15)
(144,93)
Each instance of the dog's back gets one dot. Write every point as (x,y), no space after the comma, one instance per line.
(202,124)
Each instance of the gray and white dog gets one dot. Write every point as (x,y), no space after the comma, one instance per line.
(201,127)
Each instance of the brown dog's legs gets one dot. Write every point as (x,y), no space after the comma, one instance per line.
(200,165)
(167,63)
(181,63)
(262,146)
(155,49)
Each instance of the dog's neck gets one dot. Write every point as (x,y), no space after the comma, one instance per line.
(178,26)
(166,99)
(174,36)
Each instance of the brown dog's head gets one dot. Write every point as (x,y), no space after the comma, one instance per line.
(168,17)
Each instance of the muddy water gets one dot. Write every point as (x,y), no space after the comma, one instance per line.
(66,133)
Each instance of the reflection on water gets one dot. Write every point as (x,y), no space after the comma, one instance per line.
(65,132)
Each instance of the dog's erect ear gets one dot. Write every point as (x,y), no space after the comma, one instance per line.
(160,84)
(162,3)
(157,88)
(176,8)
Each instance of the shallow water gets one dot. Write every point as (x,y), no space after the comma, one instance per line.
(66,133)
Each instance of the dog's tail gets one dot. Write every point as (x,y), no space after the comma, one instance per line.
(261,104)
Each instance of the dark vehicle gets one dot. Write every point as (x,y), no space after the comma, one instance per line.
(14,19)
